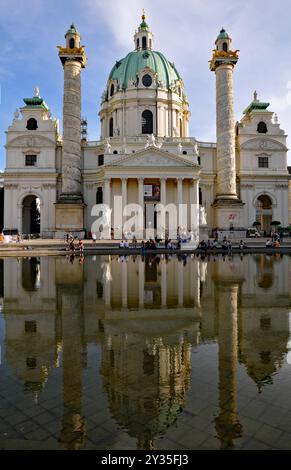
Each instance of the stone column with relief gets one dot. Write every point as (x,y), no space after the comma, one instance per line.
(227,204)
(70,205)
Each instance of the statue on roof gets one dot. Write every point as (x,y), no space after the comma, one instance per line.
(151,141)
(195,148)
(255,95)
(36,91)
(16,114)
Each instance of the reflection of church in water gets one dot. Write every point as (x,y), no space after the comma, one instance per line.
(146,315)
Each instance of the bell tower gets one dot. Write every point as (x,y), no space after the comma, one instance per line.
(70,206)
(143,38)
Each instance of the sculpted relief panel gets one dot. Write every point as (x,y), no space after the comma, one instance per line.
(31,142)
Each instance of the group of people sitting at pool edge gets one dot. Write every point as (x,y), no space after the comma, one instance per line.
(150,244)
(275,241)
(74,243)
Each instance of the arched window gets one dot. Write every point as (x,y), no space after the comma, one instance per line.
(224,47)
(137,43)
(111,127)
(144,42)
(112,90)
(147,122)
(72,43)
(115,152)
(31,124)
(184,152)
(262,128)
(99,195)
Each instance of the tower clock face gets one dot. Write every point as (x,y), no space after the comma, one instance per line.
(147,80)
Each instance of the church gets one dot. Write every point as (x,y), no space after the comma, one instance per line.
(55,183)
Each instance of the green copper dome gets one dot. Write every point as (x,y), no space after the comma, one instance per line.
(72,30)
(223,34)
(130,66)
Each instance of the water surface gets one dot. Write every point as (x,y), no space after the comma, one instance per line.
(160,352)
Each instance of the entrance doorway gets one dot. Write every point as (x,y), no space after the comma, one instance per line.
(31,215)
(150,216)
(264,213)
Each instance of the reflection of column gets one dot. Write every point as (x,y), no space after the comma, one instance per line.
(227,423)
(73,425)
(124,285)
(164,283)
(141,282)
(141,204)
(195,281)
(180,284)
(107,281)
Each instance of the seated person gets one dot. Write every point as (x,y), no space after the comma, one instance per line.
(268,244)
(241,245)
(202,245)
(121,244)
(276,244)
(126,245)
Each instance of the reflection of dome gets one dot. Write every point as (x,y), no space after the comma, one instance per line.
(129,67)
(263,354)
(146,377)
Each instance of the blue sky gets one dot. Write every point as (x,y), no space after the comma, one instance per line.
(185,32)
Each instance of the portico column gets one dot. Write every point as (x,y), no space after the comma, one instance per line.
(163,191)
(107,192)
(163,202)
(124,197)
(180,201)
(141,204)
(195,204)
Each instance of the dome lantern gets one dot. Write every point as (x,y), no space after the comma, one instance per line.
(143,38)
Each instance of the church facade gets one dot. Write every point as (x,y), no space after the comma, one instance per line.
(145,156)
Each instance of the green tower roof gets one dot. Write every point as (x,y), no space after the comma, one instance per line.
(35,102)
(256,105)
(127,68)
(223,34)
(72,30)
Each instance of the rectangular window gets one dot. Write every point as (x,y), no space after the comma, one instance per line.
(30,160)
(30,327)
(263,162)
(100,160)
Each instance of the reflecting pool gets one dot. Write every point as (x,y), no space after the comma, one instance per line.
(155,352)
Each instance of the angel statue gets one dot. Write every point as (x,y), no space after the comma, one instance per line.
(36,91)
(107,148)
(16,114)
(196,149)
(151,141)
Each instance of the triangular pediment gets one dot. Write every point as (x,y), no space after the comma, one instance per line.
(152,157)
